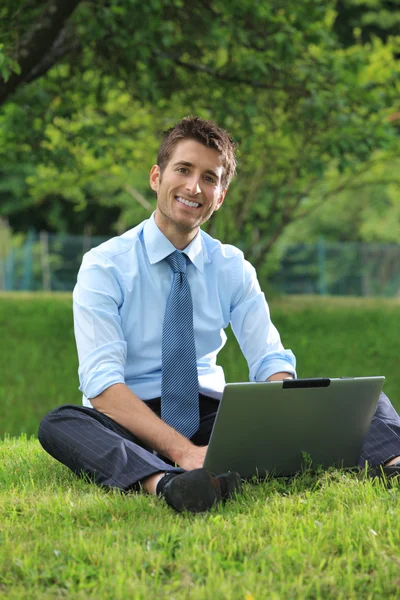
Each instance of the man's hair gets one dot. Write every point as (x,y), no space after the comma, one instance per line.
(205,132)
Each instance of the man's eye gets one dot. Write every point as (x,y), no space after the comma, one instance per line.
(210,179)
(182,169)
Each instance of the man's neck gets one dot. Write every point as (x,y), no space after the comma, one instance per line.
(179,239)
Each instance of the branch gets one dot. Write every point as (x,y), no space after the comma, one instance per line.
(363,184)
(224,77)
(64,44)
(37,43)
(245,206)
(344,186)
(288,215)
(138,197)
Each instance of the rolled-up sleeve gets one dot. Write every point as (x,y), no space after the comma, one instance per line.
(258,338)
(100,341)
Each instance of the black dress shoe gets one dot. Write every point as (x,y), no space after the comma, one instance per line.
(197,490)
(385,471)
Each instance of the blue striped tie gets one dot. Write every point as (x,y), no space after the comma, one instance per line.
(179,381)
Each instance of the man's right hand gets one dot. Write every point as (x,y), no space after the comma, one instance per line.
(120,404)
(193,458)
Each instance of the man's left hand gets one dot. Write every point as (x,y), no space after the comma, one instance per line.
(280,376)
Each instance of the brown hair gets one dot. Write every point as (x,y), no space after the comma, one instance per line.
(205,132)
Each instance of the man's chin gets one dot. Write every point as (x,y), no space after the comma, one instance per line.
(184,227)
(182,224)
(186,224)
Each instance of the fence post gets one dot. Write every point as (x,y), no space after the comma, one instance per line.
(26,283)
(87,237)
(322,284)
(9,270)
(2,274)
(44,259)
(365,276)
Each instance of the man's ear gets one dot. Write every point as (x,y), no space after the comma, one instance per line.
(220,200)
(155,178)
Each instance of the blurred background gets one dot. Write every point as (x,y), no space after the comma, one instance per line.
(309,89)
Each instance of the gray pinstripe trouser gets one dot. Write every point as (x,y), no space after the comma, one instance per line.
(90,443)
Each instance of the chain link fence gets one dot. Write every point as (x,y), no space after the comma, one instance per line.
(50,262)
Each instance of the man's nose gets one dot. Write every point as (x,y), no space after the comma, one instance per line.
(193,185)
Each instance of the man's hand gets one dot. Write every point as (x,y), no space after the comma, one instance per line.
(280,377)
(124,407)
(194,458)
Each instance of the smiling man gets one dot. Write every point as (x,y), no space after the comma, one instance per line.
(150,309)
(190,186)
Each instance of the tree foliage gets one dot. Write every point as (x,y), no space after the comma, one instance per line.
(80,128)
(367,19)
(361,207)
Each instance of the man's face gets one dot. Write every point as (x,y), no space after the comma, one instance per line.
(189,189)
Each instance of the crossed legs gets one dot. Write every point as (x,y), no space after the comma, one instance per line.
(90,443)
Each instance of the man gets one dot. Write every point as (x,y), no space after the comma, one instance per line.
(150,308)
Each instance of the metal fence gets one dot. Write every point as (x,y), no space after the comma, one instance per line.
(340,269)
(50,262)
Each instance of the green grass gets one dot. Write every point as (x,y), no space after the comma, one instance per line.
(39,359)
(332,535)
(318,536)
(330,337)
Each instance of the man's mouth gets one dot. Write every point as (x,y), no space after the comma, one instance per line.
(187,202)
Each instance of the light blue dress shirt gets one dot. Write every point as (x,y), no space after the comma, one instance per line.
(119,303)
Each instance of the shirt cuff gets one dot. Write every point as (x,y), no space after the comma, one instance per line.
(97,382)
(276,365)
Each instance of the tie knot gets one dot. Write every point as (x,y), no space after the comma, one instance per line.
(177,262)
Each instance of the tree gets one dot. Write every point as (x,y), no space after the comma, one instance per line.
(366,19)
(363,207)
(143,43)
(79,139)
(32,46)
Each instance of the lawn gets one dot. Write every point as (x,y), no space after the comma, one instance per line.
(323,535)
(332,535)
(331,337)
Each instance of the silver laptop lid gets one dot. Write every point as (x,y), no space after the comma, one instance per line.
(273,427)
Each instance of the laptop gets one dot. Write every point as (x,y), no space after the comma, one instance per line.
(279,427)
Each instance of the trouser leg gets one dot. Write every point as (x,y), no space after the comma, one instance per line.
(383,439)
(92,444)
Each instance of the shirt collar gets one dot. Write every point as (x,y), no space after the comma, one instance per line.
(158,246)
